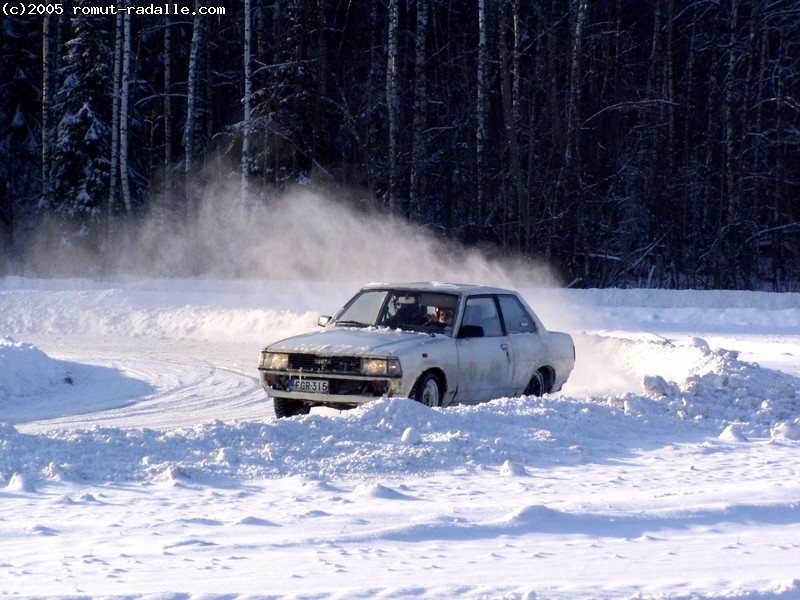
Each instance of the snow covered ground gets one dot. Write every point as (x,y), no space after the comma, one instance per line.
(139,457)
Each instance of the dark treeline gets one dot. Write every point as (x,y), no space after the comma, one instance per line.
(650,143)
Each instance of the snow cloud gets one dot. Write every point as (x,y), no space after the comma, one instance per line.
(305,234)
(311,235)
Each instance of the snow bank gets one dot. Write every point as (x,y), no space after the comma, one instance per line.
(664,389)
(666,468)
(400,436)
(759,401)
(26,371)
(126,313)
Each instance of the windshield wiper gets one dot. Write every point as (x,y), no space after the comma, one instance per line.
(345,322)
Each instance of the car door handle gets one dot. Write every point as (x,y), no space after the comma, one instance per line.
(504,347)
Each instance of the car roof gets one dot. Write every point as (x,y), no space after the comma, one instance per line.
(443,287)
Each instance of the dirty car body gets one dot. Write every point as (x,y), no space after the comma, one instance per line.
(438,343)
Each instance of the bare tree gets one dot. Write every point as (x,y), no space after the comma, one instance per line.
(119,188)
(114,175)
(572,184)
(482,113)
(247,101)
(393,103)
(655,146)
(731,99)
(510,85)
(124,117)
(49,32)
(419,151)
(168,124)
(192,100)
(578,10)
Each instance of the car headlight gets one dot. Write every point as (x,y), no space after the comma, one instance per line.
(381,366)
(277,361)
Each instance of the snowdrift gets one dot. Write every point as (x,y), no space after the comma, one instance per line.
(139,457)
(663,389)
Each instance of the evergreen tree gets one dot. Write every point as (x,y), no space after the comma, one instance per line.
(630,143)
(19,131)
(82,148)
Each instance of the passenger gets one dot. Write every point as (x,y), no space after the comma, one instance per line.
(442,316)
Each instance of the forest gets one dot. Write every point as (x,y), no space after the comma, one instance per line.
(650,143)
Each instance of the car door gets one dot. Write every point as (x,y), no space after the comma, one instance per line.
(484,353)
(526,344)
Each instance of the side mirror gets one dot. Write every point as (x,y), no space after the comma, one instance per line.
(470,331)
(324,320)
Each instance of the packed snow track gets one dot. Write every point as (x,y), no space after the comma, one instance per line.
(140,457)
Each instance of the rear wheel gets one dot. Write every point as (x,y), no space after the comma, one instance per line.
(428,390)
(286,407)
(536,386)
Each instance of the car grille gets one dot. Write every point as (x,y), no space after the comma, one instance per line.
(315,363)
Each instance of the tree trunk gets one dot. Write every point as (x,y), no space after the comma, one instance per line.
(114,175)
(670,87)
(48,90)
(574,97)
(418,183)
(571,160)
(393,103)
(509,74)
(318,119)
(785,206)
(247,102)
(190,131)
(482,116)
(168,113)
(124,119)
(730,133)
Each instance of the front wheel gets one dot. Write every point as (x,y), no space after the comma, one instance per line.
(286,407)
(428,390)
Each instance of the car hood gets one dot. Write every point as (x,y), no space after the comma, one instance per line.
(357,342)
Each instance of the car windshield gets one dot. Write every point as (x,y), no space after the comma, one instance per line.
(416,310)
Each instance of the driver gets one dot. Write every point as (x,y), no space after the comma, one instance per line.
(406,312)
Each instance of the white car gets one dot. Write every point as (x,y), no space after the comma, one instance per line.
(437,343)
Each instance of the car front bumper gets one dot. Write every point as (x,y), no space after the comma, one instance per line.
(342,389)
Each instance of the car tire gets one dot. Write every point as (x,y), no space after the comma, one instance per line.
(286,407)
(428,390)
(536,386)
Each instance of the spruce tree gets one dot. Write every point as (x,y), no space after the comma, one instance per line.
(83,113)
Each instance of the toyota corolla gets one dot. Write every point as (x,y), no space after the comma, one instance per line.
(437,343)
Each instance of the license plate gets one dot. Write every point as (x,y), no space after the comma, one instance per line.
(316,386)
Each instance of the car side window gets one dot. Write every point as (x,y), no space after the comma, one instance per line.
(482,312)
(515,317)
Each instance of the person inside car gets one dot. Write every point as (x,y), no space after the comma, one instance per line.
(444,315)
(407,312)
(441,316)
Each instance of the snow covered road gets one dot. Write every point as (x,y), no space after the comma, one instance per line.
(139,456)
